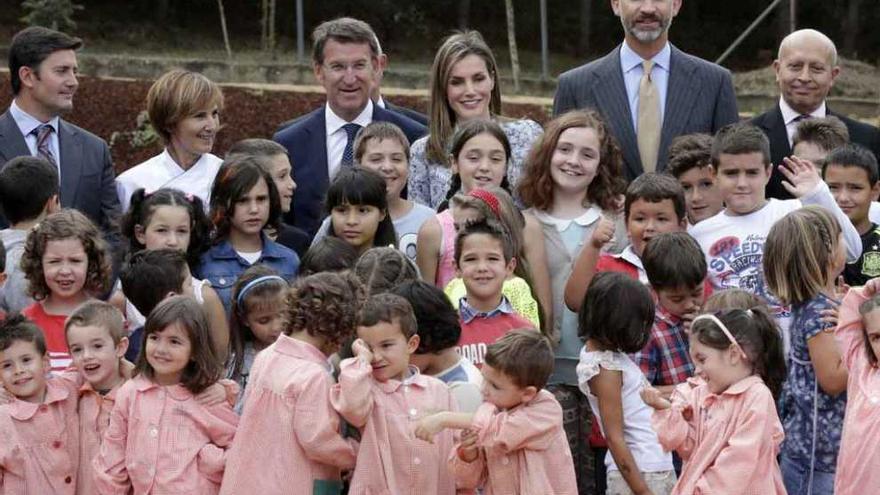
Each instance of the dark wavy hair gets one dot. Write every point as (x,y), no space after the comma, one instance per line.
(234,180)
(325,305)
(536,186)
(66,224)
(144,205)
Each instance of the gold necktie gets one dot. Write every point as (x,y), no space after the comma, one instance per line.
(649,119)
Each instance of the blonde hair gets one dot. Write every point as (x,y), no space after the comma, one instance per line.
(799,252)
(179,94)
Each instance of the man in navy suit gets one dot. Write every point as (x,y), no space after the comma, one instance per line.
(43,70)
(345,57)
(806,68)
(690,94)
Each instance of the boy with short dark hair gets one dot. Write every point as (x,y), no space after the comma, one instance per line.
(28,193)
(484,260)
(676,270)
(851,173)
(690,160)
(814,138)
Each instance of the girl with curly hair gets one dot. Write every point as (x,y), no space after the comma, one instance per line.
(244,201)
(288,427)
(66,262)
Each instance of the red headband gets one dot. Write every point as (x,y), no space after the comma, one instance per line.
(489,199)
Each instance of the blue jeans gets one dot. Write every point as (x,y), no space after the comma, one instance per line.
(796,477)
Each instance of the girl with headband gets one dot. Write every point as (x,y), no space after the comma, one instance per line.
(726,428)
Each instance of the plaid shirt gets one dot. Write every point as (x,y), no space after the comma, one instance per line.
(468,312)
(665,359)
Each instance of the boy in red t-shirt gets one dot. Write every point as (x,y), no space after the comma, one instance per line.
(484,260)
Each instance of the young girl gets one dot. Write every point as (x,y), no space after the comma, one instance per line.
(572,180)
(726,428)
(381,269)
(330,254)
(358,207)
(288,428)
(610,379)
(803,255)
(66,262)
(160,439)
(243,201)
(257,320)
(859,338)
(169,219)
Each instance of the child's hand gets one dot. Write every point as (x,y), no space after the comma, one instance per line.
(871,287)
(429,426)
(218,393)
(360,349)
(467,448)
(687,319)
(6,397)
(603,234)
(652,397)
(801,176)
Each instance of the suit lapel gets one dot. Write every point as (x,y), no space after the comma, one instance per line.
(683,86)
(610,91)
(71,162)
(317,144)
(12,143)
(778,133)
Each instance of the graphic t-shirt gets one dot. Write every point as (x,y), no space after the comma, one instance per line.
(868,265)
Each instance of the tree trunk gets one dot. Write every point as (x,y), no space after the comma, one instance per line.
(511,41)
(272,4)
(583,44)
(464,14)
(264,25)
(223,27)
(783,16)
(851,27)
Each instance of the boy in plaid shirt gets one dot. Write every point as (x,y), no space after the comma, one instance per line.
(676,269)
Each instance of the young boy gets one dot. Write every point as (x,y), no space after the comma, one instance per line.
(97,340)
(654,204)
(383,148)
(439,331)
(274,159)
(851,173)
(484,260)
(28,193)
(40,451)
(733,240)
(676,270)
(382,395)
(814,138)
(149,277)
(515,442)
(689,160)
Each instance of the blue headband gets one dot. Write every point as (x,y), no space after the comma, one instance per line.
(255,282)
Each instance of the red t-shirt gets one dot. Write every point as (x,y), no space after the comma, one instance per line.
(53,330)
(477,334)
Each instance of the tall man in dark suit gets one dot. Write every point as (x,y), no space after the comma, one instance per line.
(345,59)
(43,70)
(806,67)
(647,90)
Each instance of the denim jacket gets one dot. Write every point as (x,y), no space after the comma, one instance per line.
(222,266)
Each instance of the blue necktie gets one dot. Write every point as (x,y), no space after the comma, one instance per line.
(351,131)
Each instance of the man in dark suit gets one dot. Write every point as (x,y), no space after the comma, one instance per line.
(647,90)
(806,67)
(345,60)
(42,70)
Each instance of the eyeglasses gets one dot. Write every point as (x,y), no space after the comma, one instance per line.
(358,68)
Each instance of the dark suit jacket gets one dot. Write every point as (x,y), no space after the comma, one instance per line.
(306,143)
(408,112)
(773,125)
(87,177)
(699,98)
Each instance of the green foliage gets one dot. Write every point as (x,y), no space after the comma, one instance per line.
(142,136)
(55,14)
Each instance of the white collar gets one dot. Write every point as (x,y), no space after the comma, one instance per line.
(788,114)
(629,255)
(381,102)
(592,214)
(334,122)
(629,59)
(27,122)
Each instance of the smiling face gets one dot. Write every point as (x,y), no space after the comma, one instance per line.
(280,170)
(482,162)
(168,352)
(347,75)
(387,158)
(648,219)
(646,21)
(701,194)
(390,348)
(194,136)
(23,371)
(95,355)
(483,269)
(356,224)
(469,88)
(741,180)
(65,264)
(805,72)
(251,211)
(50,88)
(168,227)
(719,368)
(575,159)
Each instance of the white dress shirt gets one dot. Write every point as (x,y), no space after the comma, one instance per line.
(789,116)
(337,137)
(27,123)
(631,64)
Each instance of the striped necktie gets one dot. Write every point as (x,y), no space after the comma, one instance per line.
(44,151)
